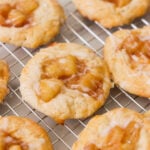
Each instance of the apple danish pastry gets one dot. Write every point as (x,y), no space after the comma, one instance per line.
(119,129)
(17,133)
(29,23)
(112,13)
(127,53)
(65,81)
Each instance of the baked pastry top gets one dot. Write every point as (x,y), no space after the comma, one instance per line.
(118,129)
(4,76)
(17,133)
(112,13)
(29,23)
(65,81)
(127,53)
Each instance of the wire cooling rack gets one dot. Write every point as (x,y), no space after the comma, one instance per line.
(79,30)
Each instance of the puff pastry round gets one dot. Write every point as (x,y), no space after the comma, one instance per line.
(127,53)
(112,13)
(119,129)
(4,76)
(29,23)
(65,81)
(18,133)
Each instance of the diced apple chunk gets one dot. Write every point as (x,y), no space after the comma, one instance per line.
(16,18)
(5,9)
(61,67)
(98,72)
(53,70)
(131,135)
(114,137)
(49,89)
(68,65)
(88,82)
(27,6)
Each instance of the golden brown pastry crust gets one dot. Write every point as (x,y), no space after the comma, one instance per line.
(71,94)
(22,133)
(110,15)
(4,76)
(45,23)
(147,114)
(119,129)
(127,55)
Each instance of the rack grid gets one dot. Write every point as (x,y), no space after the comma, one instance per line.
(78,30)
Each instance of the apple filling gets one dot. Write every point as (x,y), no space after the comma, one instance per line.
(17,15)
(138,49)
(72,73)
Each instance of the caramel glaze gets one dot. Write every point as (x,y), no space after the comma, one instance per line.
(73,81)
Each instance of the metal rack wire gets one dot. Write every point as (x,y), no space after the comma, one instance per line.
(79,30)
